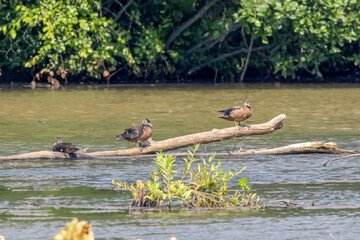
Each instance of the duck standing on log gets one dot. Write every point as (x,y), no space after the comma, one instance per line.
(60,146)
(137,134)
(237,114)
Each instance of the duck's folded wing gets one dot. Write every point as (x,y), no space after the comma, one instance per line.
(133,132)
(228,111)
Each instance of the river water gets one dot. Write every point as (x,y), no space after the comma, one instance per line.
(38,197)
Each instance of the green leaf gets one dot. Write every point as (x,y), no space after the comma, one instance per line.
(216,34)
(12,33)
(186,33)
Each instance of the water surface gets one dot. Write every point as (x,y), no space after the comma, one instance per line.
(58,190)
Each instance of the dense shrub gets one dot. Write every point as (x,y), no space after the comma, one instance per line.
(158,40)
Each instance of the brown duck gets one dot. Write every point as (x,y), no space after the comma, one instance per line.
(137,134)
(237,114)
(60,146)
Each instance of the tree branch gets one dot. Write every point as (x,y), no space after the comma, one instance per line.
(228,55)
(247,60)
(188,23)
(217,40)
(123,9)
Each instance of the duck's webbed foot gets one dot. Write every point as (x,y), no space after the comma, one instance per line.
(143,146)
(244,126)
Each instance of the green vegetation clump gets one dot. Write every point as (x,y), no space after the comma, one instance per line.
(201,185)
(145,41)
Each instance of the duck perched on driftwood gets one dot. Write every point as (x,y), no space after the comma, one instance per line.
(237,114)
(137,134)
(60,146)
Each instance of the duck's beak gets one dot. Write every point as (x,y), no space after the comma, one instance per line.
(150,124)
(249,106)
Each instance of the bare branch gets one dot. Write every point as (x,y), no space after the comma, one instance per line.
(108,10)
(113,73)
(247,60)
(188,23)
(243,37)
(228,55)
(120,13)
(199,45)
(221,38)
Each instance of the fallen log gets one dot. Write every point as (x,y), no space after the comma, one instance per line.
(204,137)
(169,144)
(298,148)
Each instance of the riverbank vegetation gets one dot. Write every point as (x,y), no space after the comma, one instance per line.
(178,41)
(201,185)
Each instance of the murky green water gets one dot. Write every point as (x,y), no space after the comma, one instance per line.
(92,117)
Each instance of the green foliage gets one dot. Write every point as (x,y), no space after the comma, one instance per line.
(203,185)
(66,36)
(291,38)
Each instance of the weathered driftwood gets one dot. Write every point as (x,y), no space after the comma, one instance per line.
(203,137)
(169,144)
(298,148)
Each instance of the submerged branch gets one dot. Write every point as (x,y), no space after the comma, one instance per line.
(334,159)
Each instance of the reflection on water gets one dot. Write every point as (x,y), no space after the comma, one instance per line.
(38,197)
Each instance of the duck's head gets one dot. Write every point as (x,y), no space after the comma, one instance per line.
(58,140)
(247,104)
(146,122)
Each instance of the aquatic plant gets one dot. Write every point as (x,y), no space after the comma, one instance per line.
(75,230)
(196,185)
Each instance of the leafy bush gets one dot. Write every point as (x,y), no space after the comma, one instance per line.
(152,40)
(203,185)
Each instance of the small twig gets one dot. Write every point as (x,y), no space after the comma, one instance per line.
(108,10)
(10,49)
(334,159)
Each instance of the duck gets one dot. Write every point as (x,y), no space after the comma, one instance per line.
(237,114)
(137,134)
(60,146)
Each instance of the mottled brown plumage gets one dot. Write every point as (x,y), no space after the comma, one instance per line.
(60,146)
(237,114)
(137,134)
